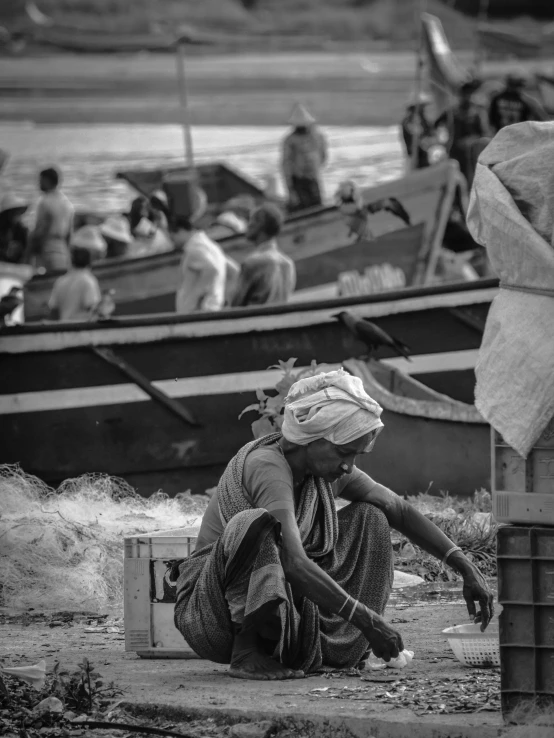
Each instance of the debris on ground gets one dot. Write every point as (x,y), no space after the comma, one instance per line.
(477,692)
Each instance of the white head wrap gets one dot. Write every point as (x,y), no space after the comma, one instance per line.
(334,406)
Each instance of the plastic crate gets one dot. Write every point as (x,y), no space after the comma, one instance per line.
(523,489)
(150,594)
(525,557)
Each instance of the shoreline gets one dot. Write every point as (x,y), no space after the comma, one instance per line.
(348,89)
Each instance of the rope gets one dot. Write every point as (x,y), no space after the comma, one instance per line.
(545,291)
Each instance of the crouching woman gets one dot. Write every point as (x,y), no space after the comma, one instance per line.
(280,583)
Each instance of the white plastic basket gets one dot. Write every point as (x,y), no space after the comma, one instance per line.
(472,647)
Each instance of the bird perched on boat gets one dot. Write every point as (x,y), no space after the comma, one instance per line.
(105,308)
(370,334)
(9,303)
(350,202)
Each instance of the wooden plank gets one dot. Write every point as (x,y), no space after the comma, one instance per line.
(141,381)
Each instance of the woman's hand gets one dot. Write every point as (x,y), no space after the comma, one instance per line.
(385,642)
(475,590)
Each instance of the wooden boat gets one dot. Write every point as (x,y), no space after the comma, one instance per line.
(501,42)
(95,40)
(429,441)
(318,240)
(156,399)
(162,37)
(220,181)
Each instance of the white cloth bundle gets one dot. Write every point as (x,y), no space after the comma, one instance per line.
(511,213)
(334,406)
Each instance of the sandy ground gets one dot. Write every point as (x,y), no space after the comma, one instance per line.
(341,88)
(181,689)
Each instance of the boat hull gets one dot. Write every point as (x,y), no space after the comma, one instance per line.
(66,412)
(319,241)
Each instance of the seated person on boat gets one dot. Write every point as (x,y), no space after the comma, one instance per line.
(13,231)
(267,275)
(205,271)
(75,295)
(280,583)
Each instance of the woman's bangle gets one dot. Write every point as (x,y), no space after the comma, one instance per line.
(450,551)
(354,606)
(343,604)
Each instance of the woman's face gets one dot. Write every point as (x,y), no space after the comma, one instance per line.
(331,462)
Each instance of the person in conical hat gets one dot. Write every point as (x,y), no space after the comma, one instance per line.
(117,232)
(301,116)
(89,237)
(13,232)
(417,124)
(303,159)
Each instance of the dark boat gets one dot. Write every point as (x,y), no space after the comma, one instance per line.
(429,442)
(319,240)
(156,399)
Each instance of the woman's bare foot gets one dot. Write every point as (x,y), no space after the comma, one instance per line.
(252,664)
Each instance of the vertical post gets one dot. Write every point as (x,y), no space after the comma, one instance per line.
(419,9)
(185,119)
(481,16)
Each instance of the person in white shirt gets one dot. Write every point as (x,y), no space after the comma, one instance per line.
(49,241)
(75,295)
(204,267)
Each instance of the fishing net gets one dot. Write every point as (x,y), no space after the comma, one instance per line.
(63,549)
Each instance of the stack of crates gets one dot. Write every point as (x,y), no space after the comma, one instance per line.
(150,593)
(523,498)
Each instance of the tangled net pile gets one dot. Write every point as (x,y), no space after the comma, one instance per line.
(63,549)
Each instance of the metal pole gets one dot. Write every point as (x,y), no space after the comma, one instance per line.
(420,8)
(185,119)
(481,16)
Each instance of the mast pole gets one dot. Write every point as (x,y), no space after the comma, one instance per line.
(418,83)
(183,98)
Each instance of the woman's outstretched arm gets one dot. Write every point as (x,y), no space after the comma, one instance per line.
(404,518)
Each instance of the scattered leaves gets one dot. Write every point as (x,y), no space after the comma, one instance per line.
(477,692)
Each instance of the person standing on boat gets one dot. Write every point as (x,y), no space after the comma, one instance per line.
(75,295)
(280,583)
(267,275)
(513,105)
(468,127)
(416,122)
(204,266)
(304,156)
(14,233)
(49,241)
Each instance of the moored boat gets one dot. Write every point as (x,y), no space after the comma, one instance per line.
(318,240)
(156,399)
(429,442)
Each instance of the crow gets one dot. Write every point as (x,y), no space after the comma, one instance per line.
(371,334)
(9,302)
(350,202)
(391,205)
